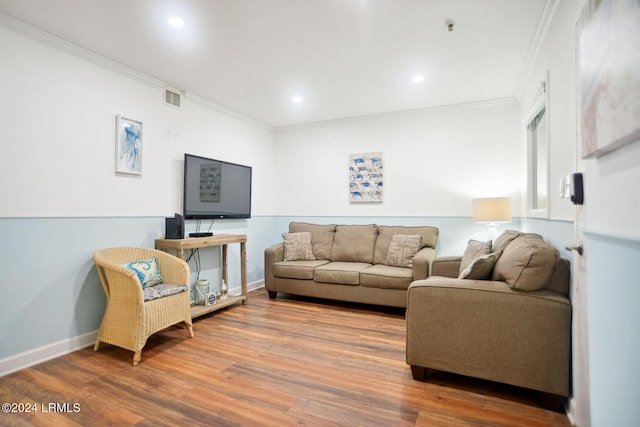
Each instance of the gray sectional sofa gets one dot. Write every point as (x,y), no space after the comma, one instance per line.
(371,264)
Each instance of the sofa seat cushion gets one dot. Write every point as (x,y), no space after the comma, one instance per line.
(344,273)
(296,269)
(386,276)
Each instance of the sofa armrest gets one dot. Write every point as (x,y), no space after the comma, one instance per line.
(447,266)
(272,255)
(422,263)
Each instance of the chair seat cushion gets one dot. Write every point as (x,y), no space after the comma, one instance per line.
(162,290)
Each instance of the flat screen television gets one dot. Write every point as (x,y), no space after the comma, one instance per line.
(214,189)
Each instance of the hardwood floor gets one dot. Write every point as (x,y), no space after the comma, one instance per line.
(283,362)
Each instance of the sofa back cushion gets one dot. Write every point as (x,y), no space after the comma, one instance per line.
(385,234)
(354,243)
(321,237)
(527,263)
(504,239)
(561,278)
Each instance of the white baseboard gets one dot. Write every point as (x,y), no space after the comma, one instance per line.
(51,351)
(571,411)
(255,285)
(47,352)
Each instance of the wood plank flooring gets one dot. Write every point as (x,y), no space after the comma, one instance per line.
(284,362)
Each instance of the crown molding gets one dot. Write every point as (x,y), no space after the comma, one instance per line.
(541,32)
(212,105)
(58,43)
(63,45)
(403,113)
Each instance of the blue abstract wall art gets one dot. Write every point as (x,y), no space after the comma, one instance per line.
(366,177)
(128,146)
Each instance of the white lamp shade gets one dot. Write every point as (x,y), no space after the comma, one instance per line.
(491,210)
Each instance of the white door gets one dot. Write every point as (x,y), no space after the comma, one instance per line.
(606,289)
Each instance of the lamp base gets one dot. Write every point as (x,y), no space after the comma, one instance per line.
(493,231)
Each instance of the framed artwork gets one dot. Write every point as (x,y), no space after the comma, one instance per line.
(128,146)
(366,177)
(608,74)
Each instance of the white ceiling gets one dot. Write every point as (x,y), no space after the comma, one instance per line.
(346,58)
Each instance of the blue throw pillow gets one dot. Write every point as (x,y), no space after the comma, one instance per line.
(147,271)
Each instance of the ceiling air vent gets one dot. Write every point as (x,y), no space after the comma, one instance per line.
(172,98)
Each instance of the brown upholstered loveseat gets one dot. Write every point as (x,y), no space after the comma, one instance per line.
(351,262)
(513,327)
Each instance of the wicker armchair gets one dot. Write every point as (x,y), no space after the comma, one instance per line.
(129,320)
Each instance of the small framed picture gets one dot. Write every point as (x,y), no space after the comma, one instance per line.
(128,146)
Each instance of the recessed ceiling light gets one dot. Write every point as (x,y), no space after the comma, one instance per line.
(176,22)
(418,78)
(297,99)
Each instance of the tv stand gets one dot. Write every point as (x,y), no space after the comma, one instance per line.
(179,245)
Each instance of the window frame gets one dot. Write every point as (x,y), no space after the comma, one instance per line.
(540,105)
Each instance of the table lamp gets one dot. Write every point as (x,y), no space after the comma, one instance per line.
(491,211)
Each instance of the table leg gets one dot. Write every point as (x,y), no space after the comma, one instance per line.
(224,265)
(243,269)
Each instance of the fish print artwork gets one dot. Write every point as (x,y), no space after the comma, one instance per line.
(366,176)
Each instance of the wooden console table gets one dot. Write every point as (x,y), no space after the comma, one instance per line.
(179,245)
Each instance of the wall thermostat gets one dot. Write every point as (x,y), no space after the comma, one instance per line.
(210,298)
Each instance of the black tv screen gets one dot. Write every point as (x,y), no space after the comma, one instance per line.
(215,189)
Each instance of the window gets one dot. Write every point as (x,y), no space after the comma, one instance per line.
(539,149)
(537,131)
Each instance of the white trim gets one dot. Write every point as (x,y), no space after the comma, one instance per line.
(51,351)
(114,66)
(570,410)
(417,111)
(254,286)
(190,96)
(540,102)
(47,352)
(78,51)
(541,32)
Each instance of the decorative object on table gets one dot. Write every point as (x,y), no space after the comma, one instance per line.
(366,176)
(224,291)
(210,299)
(200,291)
(491,211)
(128,146)
(608,73)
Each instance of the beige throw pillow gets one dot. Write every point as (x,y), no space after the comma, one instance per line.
(527,263)
(297,247)
(475,249)
(481,268)
(402,249)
